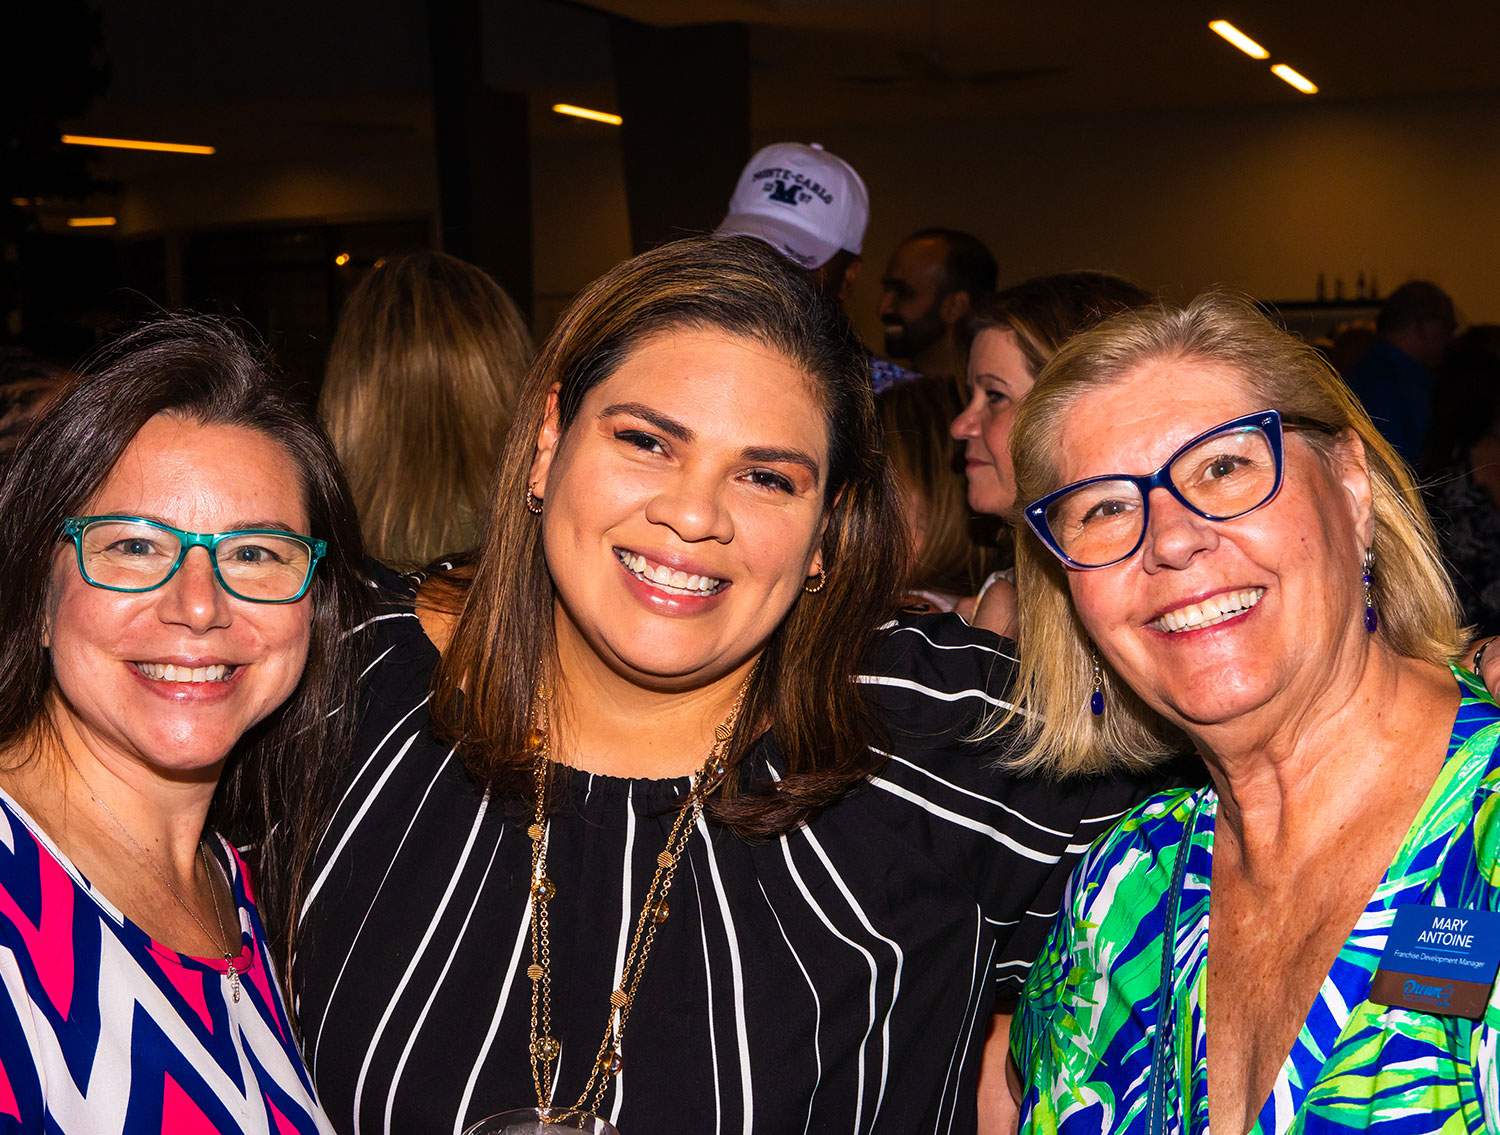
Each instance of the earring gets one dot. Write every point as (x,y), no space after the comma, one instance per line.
(1096,699)
(533,502)
(1372,620)
(822,579)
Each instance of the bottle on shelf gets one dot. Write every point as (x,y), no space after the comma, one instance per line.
(1322,289)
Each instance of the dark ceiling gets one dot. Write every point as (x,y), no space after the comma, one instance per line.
(269,81)
(848,61)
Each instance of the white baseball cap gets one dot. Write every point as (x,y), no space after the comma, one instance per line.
(802,201)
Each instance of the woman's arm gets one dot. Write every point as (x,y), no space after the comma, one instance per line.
(1485,662)
(999,1099)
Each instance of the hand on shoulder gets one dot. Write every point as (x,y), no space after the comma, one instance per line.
(996,609)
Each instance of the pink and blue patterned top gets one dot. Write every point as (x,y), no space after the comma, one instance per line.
(104,1031)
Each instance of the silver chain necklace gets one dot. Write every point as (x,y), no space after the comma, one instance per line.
(231,972)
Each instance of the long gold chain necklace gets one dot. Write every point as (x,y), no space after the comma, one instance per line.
(545,1046)
(231,971)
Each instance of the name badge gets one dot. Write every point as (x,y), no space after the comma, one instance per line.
(1439,960)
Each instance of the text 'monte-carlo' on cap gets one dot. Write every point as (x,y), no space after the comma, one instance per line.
(802,201)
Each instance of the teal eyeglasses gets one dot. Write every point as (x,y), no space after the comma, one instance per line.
(132,554)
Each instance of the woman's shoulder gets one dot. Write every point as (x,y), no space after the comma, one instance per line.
(1144,837)
(921,664)
(401,656)
(1470,779)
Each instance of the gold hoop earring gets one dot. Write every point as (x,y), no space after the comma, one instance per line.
(822,579)
(533,502)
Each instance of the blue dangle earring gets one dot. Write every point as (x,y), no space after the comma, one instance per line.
(1096,699)
(1372,620)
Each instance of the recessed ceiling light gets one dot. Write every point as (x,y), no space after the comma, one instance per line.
(91,222)
(1240,40)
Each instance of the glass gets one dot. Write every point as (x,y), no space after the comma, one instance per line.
(130,553)
(540,1121)
(1221,474)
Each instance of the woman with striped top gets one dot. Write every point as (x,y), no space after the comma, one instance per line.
(655,813)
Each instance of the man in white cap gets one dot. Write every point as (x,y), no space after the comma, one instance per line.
(812,207)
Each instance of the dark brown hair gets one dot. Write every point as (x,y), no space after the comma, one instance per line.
(276,784)
(1046,311)
(804,688)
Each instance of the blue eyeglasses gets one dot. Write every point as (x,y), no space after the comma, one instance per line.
(1221,474)
(131,554)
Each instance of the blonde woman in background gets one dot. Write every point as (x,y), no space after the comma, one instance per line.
(418,396)
(1013,334)
(947,562)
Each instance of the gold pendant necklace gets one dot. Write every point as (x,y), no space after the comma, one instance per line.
(545,1047)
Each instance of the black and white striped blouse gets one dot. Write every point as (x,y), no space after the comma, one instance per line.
(840,978)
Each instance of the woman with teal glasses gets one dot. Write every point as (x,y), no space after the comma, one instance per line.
(1224,554)
(180,568)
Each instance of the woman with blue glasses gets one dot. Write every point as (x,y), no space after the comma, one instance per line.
(1224,554)
(179,564)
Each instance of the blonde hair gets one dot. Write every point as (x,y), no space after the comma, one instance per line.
(1419,616)
(419,393)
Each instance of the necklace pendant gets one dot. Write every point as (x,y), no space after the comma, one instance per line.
(234,978)
(541,1121)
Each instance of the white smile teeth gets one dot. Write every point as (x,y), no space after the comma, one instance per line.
(659,575)
(1210,612)
(166,672)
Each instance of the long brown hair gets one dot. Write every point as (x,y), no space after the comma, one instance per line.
(804,688)
(916,416)
(419,393)
(275,787)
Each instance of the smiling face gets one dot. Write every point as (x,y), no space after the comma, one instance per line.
(911,297)
(168,680)
(1211,620)
(684,506)
(998,380)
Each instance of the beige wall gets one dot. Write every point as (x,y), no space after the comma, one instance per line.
(1258,199)
(580,225)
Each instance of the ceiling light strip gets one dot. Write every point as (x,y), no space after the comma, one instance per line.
(1296,78)
(91,222)
(135,144)
(1228,31)
(584,112)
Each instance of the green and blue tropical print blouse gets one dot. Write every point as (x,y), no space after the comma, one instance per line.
(1083,1034)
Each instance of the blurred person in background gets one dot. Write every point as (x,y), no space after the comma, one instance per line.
(180,569)
(948,563)
(419,393)
(1462,472)
(1394,377)
(1351,341)
(813,208)
(1012,335)
(1250,954)
(27,384)
(931,283)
